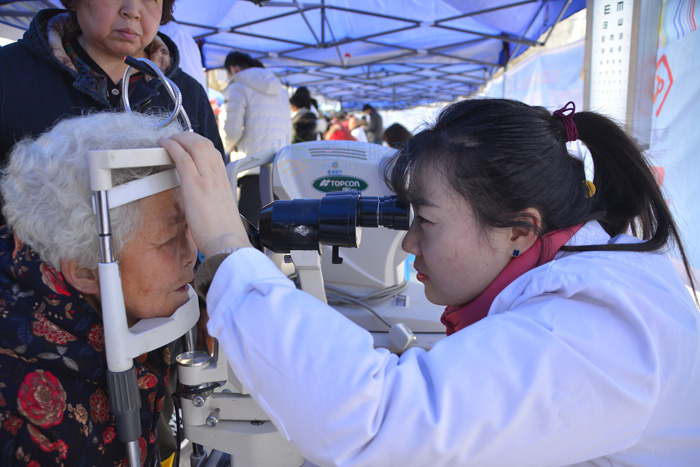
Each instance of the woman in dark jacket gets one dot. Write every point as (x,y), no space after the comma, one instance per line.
(69,62)
(303,120)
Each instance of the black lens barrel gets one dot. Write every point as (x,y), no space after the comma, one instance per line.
(305,224)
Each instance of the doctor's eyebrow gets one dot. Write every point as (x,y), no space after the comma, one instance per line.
(418,199)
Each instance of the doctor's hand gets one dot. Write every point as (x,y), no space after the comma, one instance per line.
(212,213)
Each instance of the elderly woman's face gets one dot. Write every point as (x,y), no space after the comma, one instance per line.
(118,27)
(157,263)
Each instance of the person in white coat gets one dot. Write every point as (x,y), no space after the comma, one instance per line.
(569,341)
(257,107)
(258,118)
(190,55)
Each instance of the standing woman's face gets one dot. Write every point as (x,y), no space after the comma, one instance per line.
(112,29)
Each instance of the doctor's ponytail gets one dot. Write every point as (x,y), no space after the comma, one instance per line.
(505,157)
(627,192)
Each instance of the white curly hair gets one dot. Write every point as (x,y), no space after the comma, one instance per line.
(46,185)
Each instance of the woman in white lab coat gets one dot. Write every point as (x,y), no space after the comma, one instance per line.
(570,341)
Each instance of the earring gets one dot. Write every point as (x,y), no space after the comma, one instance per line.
(516,253)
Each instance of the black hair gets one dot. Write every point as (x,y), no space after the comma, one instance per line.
(168,7)
(367,107)
(396,136)
(503,157)
(304,92)
(242,60)
(300,101)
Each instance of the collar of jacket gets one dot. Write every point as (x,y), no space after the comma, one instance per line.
(48,46)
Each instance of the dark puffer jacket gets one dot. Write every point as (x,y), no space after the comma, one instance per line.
(36,90)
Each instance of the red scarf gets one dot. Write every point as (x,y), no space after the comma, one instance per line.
(458,317)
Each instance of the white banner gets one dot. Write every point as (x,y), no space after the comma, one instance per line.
(550,78)
(675,138)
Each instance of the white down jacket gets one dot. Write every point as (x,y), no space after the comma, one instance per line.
(258,115)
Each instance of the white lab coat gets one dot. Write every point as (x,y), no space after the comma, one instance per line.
(190,56)
(592,359)
(258,115)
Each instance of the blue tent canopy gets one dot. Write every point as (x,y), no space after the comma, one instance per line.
(392,53)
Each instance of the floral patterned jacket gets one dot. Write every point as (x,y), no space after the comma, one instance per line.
(54,407)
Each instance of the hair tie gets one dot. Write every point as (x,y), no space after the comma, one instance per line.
(590,188)
(566,114)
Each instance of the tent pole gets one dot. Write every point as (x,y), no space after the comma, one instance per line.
(323,22)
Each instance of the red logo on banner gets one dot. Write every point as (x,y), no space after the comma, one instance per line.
(664,81)
(659,174)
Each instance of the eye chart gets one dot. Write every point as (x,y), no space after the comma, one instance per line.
(621,47)
(611,36)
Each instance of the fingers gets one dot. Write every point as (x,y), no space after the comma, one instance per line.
(191,146)
(183,161)
(197,160)
(209,204)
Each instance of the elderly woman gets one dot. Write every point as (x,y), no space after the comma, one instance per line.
(53,388)
(71,61)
